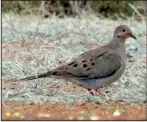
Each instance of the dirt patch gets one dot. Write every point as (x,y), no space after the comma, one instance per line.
(9,84)
(78,111)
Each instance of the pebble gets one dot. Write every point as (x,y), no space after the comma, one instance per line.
(8,114)
(94,117)
(43,115)
(117,113)
(16,114)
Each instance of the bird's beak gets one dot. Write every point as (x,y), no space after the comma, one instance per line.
(133,37)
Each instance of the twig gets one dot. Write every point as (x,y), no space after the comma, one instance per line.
(133,7)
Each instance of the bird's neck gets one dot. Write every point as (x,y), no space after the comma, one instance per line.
(119,46)
(117,43)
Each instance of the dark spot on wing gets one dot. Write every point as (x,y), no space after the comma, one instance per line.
(68,73)
(91,59)
(75,65)
(71,63)
(89,89)
(92,63)
(55,73)
(84,61)
(84,65)
(88,69)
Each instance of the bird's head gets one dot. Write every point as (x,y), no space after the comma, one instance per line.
(123,32)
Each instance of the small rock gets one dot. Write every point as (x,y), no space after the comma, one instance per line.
(82,112)
(94,117)
(80,118)
(8,114)
(43,115)
(16,114)
(22,117)
(117,113)
(70,117)
(80,103)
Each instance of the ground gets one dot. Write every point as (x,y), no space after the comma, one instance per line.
(78,111)
(37,46)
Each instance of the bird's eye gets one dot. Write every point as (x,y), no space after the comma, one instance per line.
(123,30)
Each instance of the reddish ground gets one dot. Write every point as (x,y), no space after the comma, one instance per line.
(79,111)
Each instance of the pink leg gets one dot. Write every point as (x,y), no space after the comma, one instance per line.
(90,91)
(98,91)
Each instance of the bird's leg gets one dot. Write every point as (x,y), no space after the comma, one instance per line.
(99,92)
(90,91)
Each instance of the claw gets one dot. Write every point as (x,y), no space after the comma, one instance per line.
(90,91)
(98,92)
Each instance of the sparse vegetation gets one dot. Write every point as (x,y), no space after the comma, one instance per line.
(110,9)
(43,43)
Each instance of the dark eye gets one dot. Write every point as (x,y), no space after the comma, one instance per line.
(123,30)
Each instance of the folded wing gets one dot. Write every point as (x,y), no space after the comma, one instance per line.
(98,63)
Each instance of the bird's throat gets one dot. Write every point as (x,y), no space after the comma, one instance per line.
(119,46)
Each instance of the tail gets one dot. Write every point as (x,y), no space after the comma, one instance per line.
(47,74)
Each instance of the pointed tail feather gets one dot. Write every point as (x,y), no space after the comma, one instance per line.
(36,77)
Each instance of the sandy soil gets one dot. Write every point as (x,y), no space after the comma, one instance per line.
(78,111)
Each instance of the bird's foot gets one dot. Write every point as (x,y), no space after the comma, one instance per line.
(91,92)
(99,92)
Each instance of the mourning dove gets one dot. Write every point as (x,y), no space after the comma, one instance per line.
(98,67)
